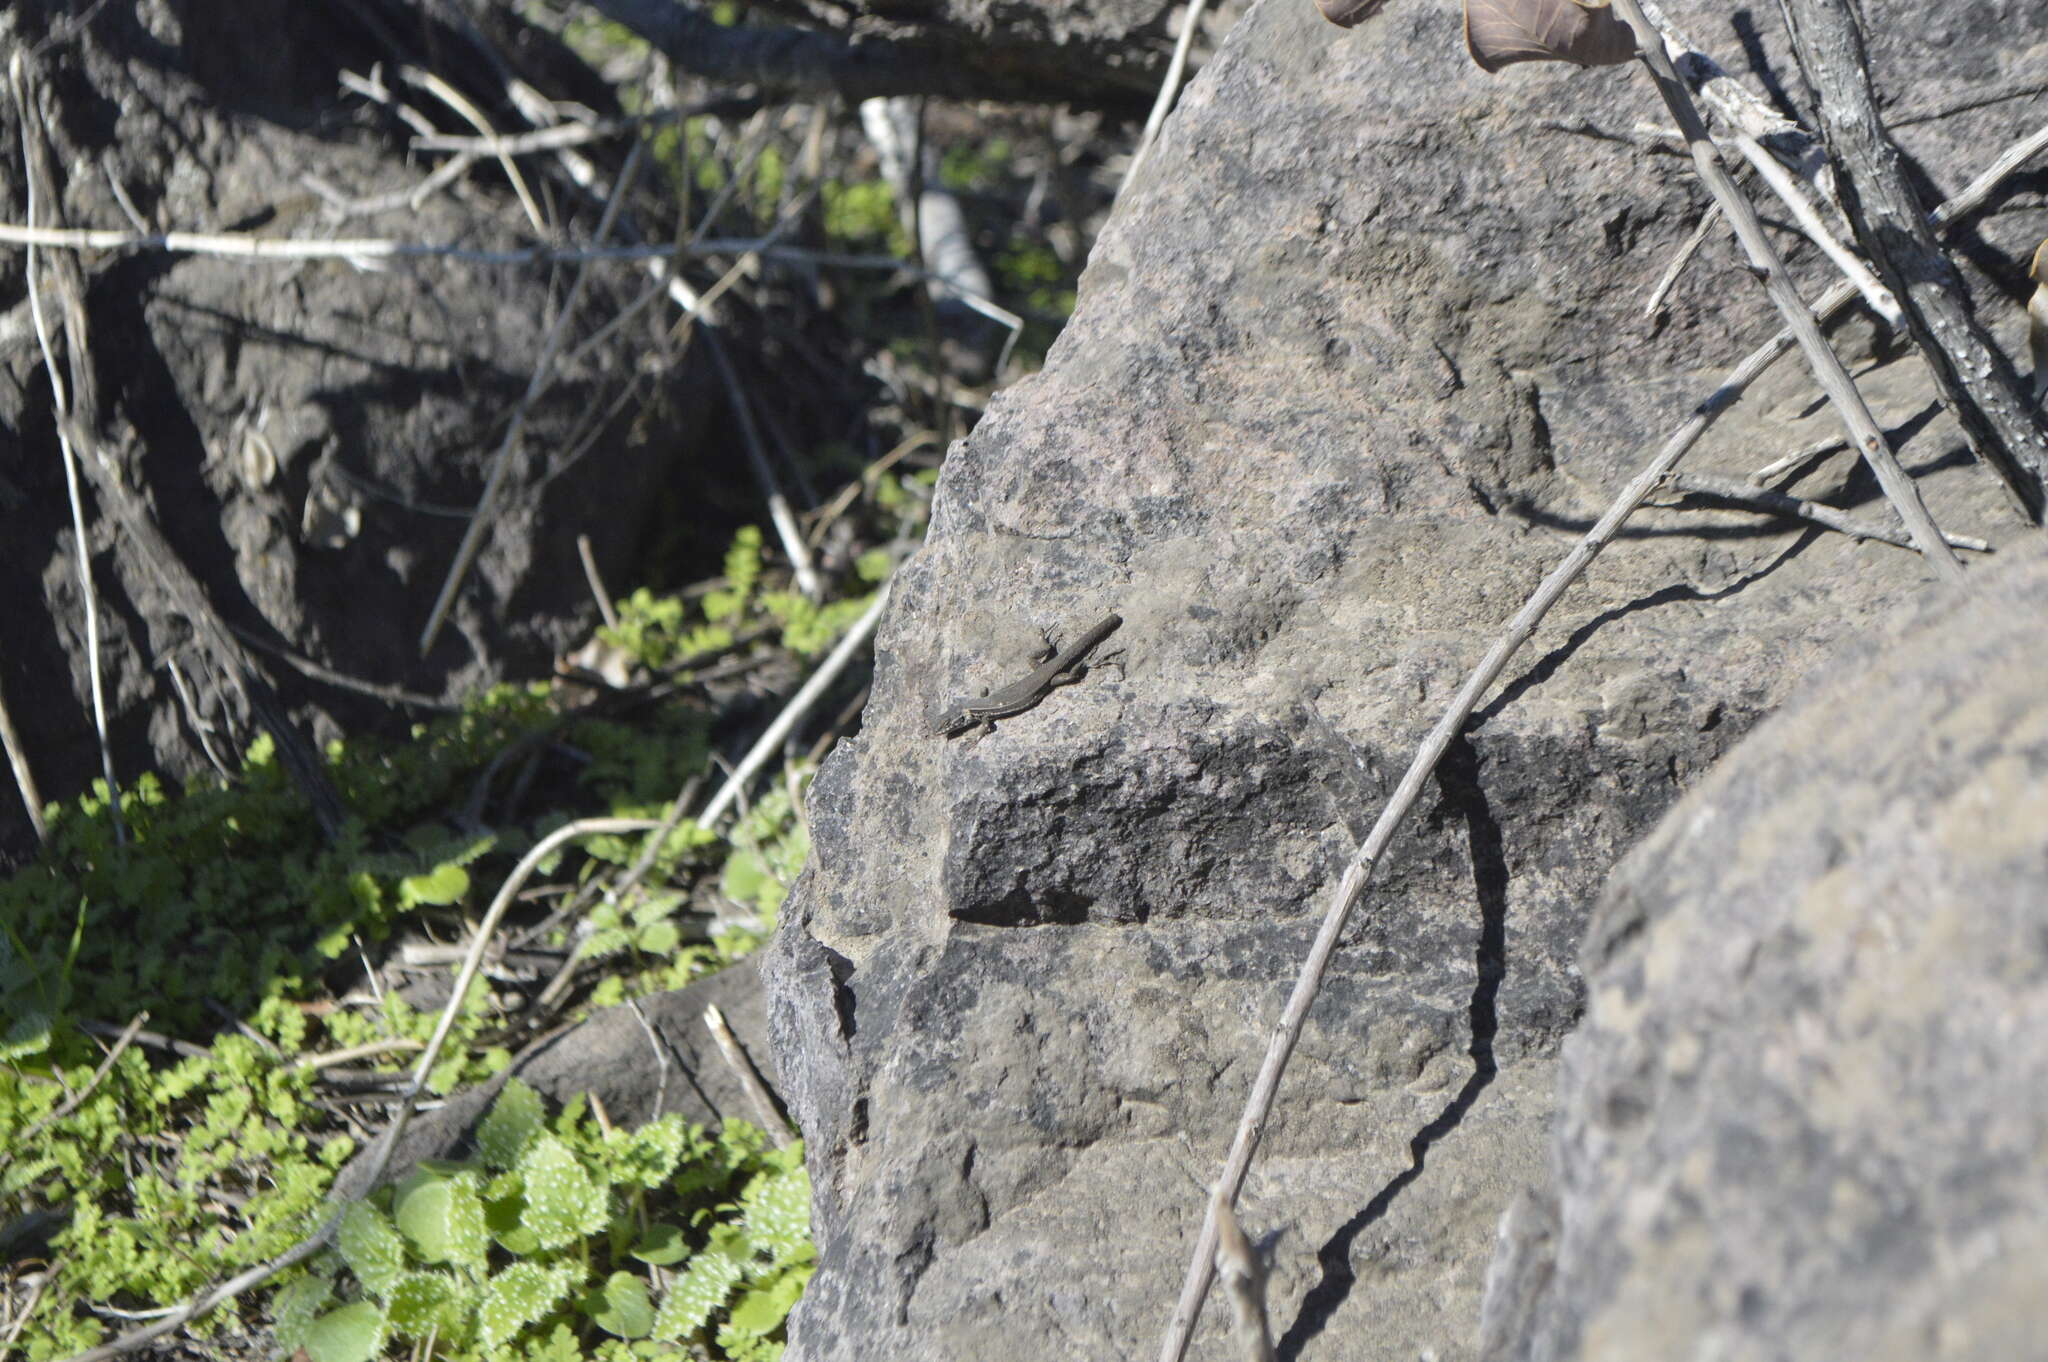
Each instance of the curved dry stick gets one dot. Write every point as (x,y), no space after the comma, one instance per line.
(17,71)
(1359,873)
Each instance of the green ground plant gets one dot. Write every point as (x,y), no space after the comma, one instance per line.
(565,1240)
(240,946)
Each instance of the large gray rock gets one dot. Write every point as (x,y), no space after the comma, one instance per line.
(1357,357)
(1806,1113)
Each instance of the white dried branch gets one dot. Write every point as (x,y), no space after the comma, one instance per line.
(1827,367)
(1804,212)
(1358,873)
(1747,494)
(1669,278)
(742,1065)
(793,713)
(31,127)
(1169,87)
(470,114)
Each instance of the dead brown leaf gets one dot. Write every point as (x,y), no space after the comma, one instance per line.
(1500,33)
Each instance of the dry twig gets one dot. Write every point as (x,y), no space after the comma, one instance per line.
(1976,381)
(470,114)
(792,713)
(1169,88)
(72,1103)
(1748,494)
(1795,197)
(543,375)
(34,154)
(24,777)
(1358,874)
(742,1065)
(1686,252)
(1827,367)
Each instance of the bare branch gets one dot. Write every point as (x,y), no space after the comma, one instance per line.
(1826,365)
(1358,874)
(543,374)
(1975,379)
(1740,493)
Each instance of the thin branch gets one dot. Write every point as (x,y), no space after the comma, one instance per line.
(596,580)
(1778,468)
(470,114)
(60,399)
(661,1064)
(24,777)
(742,1065)
(799,705)
(1826,365)
(543,375)
(368,1050)
(373,88)
(340,205)
(1359,872)
(376,690)
(288,250)
(562,135)
(28,1307)
(1780,503)
(1684,257)
(1169,88)
(1742,108)
(206,1301)
(360,249)
(77,1099)
(1976,381)
(1795,197)
(779,513)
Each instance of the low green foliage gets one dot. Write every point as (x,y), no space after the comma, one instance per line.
(564,1240)
(975,167)
(658,630)
(861,215)
(207,1145)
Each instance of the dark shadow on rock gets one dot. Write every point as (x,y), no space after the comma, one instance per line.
(1761,66)
(1457,777)
(1559,655)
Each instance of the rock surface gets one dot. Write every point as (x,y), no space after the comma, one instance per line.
(1806,1112)
(1359,355)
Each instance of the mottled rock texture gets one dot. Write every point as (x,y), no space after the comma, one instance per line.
(1359,355)
(1807,1110)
